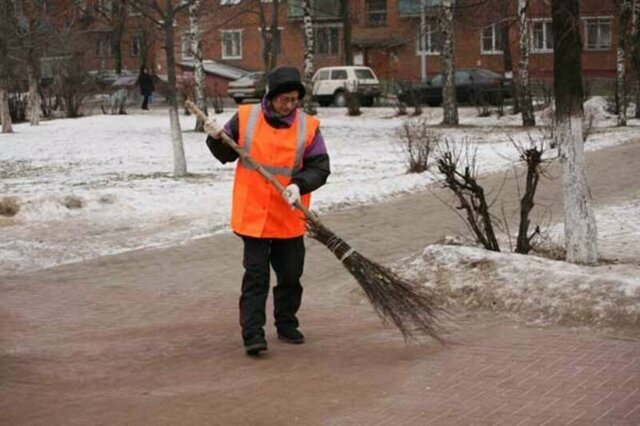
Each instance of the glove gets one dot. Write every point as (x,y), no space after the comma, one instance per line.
(291,194)
(213,128)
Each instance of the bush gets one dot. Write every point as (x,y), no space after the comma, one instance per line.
(9,206)
(418,141)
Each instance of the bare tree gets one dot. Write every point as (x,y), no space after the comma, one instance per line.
(270,35)
(163,15)
(524,86)
(309,106)
(579,220)
(113,14)
(447,56)
(624,21)
(346,32)
(7,36)
(195,47)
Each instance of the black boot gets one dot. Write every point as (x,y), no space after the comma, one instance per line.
(255,345)
(291,335)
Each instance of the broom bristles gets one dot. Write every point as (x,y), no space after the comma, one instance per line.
(409,306)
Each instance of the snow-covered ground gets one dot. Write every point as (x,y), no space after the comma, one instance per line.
(118,168)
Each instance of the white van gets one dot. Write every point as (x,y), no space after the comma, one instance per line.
(330,84)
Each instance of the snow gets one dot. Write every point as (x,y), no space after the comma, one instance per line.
(119,169)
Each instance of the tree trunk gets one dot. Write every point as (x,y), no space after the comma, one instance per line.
(308,103)
(579,220)
(34,99)
(5,115)
(507,58)
(275,36)
(449,102)
(524,86)
(346,32)
(635,51)
(621,56)
(195,36)
(179,160)
(265,36)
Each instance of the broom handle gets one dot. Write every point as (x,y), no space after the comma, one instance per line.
(308,214)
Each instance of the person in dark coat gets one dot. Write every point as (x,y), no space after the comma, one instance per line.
(288,143)
(145,81)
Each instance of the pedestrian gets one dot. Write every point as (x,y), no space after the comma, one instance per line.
(145,81)
(287,143)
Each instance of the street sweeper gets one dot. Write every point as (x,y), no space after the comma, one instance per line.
(288,144)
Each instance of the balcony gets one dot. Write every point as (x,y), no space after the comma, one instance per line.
(322,10)
(412,7)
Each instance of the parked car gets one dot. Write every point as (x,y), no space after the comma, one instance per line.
(330,85)
(473,85)
(250,86)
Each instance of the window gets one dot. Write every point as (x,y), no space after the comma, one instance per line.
(323,75)
(185,44)
(326,41)
(492,39)
(232,44)
(541,36)
(338,74)
(136,45)
(598,33)
(103,44)
(462,77)
(376,12)
(433,41)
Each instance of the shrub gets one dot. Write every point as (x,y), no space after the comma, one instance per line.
(9,206)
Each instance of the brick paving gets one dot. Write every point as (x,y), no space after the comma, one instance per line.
(151,337)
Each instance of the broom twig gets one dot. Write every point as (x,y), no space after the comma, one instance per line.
(409,306)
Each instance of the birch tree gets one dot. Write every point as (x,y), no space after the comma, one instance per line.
(195,46)
(624,21)
(635,51)
(447,56)
(163,15)
(579,220)
(524,86)
(309,106)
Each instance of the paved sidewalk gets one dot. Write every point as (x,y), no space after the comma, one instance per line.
(151,337)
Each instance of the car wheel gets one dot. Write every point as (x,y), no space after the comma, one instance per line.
(340,99)
(238,100)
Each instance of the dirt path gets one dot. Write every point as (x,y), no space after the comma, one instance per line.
(151,337)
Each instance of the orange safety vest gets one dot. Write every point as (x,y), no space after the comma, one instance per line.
(258,207)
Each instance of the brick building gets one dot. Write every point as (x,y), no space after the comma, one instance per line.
(385,35)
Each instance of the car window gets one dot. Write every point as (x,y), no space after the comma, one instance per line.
(462,77)
(339,75)
(323,75)
(437,80)
(488,74)
(364,74)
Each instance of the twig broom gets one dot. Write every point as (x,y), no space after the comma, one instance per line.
(409,306)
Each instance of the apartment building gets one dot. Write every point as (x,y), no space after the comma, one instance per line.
(385,35)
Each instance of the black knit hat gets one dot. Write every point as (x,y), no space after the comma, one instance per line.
(282,80)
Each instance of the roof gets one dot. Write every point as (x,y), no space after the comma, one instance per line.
(212,67)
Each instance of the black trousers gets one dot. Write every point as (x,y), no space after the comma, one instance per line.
(286,257)
(145,101)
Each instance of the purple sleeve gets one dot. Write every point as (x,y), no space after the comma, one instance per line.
(316,147)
